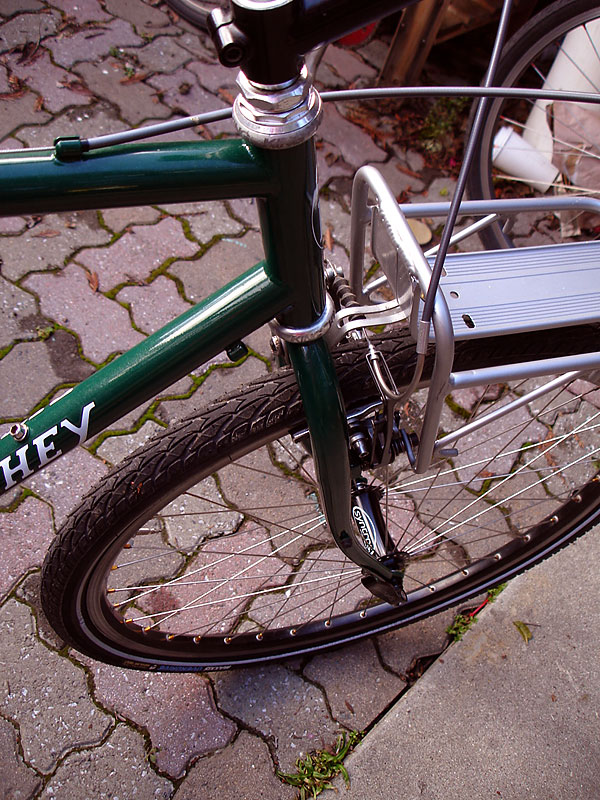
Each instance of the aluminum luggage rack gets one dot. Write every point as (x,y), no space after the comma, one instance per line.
(481,293)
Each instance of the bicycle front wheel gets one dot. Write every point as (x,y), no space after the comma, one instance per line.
(209,548)
(534,147)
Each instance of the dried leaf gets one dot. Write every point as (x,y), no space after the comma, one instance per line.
(349,706)
(136,78)
(328,239)
(39,104)
(76,86)
(45,234)
(93,281)
(523,629)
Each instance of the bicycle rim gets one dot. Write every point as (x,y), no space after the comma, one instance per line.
(558,49)
(212,551)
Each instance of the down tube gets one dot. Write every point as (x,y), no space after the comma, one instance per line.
(136,376)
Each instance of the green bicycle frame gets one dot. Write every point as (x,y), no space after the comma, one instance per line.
(287,284)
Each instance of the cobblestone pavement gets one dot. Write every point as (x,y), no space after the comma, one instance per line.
(71,728)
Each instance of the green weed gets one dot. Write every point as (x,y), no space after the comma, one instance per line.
(316,770)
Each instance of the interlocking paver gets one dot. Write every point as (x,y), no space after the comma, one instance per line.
(17,781)
(245,764)
(256,697)
(44,694)
(117,770)
(25,28)
(93,43)
(177,711)
(137,253)
(10,7)
(82,11)
(356,146)
(68,298)
(350,702)
(162,55)
(77,470)
(26,535)
(181,92)
(348,65)
(27,376)
(221,263)
(49,243)
(87,121)
(119,218)
(17,308)
(135,100)
(400,648)
(49,81)
(17,110)
(154,305)
(145,19)
(213,220)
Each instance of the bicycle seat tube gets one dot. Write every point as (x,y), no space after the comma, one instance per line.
(278,110)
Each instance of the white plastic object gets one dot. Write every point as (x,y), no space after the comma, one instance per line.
(576,68)
(516,157)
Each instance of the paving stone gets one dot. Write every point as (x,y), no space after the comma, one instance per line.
(355,702)
(26,535)
(399,181)
(162,55)
(136,101)
(375,52)
(28,28)
(145,19)
(197,43)
(337,220)
(49,81)
(45,694)
(245,208)
(12,225)
(213,220)
(216,78)
(278,704)
(93,44)
(177,711)
(17,782)
(440,190)
(400,648)
(65,481)
(219,383)
(118,770)
(246,763)
(221,263)
(82,11)
(154,305)
(356,146)
(330,163)
(181,92)
(347,64)
(10,7)
(16,308)
(137,253)
(19,110)
(27,376)
(116,448)
(50,243)
(119,218)
(101,118)
(68,298)
(29,591)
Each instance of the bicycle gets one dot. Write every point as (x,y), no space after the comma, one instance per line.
(394,526)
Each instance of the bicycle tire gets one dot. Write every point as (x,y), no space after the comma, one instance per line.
(196,11)
(526,61)
(238,437)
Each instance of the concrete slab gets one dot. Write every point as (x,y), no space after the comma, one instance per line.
(498,717)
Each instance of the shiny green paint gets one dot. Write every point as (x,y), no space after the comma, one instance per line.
(145,370)
(292,232)
(36,181)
